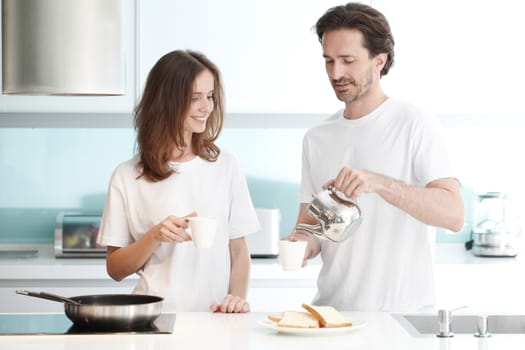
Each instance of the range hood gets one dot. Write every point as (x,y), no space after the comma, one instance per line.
(62,47)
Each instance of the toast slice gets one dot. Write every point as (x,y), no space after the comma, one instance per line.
(298,319)
(275,318)
(328,316)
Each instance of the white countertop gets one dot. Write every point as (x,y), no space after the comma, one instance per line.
(232,332)
(456,254)
(243,332)
(44,265)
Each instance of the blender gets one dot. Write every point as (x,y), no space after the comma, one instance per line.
(495,229)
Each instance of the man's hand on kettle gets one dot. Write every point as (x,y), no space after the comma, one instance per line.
(353,183)
(172,229)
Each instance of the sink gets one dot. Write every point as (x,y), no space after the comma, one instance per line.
(426,324)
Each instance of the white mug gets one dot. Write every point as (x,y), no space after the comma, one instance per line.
(291,254)
(202,231)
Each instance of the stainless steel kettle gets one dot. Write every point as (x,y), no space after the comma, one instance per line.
(338,216)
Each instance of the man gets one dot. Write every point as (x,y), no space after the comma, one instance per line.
(388,155)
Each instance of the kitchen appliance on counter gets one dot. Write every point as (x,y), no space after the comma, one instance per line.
(264,243)
(496,228)
(54,324)
(76,236)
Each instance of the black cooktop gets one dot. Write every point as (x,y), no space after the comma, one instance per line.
(48,324)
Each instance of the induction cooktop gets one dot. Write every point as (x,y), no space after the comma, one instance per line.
(53,324)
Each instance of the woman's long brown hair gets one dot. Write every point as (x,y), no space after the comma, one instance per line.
(159,116)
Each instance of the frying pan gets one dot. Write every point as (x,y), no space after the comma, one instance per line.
(107,311)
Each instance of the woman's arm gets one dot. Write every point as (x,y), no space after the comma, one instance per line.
(235,301)
(124,261)
(240,267)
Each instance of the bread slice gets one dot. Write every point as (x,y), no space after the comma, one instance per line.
(298,319)
(275,318)
(328,316)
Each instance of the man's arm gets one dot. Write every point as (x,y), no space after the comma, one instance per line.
(439,203)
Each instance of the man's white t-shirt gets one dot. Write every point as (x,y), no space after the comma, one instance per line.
(189,279)
(386,265)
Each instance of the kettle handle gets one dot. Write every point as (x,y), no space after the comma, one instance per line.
(342,196)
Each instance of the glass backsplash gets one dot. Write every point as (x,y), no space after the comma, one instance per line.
(45,171)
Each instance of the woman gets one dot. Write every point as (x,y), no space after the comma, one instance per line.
(180,172)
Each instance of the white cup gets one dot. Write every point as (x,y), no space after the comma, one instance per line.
(291,254)
(202,231)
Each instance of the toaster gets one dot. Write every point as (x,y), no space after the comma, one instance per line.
(76,235)
(264,243)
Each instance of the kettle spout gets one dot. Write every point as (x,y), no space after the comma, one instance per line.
(317,230)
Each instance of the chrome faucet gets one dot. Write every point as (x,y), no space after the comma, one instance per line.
(445,321)
(483,327)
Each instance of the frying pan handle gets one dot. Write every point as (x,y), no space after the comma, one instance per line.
(48,296)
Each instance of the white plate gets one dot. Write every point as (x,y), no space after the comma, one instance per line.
(356,324)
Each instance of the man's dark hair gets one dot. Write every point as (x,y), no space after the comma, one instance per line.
(371,23)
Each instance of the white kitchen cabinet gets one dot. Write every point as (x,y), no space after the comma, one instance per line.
(481,287)
(270,58)
(51,108)
(44,272)
(261,299)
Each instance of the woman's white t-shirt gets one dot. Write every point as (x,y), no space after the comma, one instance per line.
(387,264)
(189,279)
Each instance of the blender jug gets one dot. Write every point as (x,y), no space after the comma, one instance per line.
(490,212)
(495,229)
